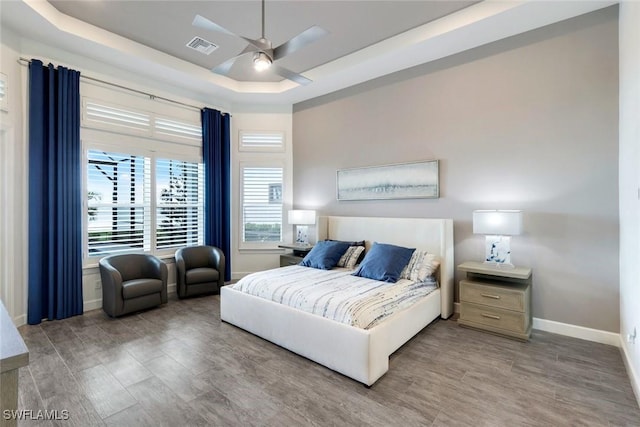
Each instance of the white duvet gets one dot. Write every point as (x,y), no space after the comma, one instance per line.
(335,294)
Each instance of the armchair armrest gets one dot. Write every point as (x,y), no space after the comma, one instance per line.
(180,267)
(111,287)
(218,260)
(216,257)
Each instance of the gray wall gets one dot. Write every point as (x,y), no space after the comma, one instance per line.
(529,122)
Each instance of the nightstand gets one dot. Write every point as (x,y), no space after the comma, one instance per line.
(290,259)
(294,258)
(496,300)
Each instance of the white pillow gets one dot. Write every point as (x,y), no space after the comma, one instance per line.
(350,257)
(421,265)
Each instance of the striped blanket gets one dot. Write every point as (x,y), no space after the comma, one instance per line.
(335,294)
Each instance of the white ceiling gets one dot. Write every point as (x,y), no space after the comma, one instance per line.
(367,39)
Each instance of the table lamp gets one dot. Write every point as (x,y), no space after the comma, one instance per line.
(302,219)
(498,226)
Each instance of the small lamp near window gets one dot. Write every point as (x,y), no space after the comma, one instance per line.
(498,226)
(302,219)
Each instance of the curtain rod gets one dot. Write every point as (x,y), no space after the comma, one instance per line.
(151,96)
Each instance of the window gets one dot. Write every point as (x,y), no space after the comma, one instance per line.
(180,202)
(144,175)
(118,203)
(261,204)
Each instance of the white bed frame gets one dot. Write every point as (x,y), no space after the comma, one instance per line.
(361,354)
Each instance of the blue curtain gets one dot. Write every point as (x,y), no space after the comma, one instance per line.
(216,150)
(55,199)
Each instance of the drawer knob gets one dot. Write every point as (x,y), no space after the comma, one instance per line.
(491,316)
(491,296)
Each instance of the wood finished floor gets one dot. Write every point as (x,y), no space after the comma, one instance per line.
(178,365)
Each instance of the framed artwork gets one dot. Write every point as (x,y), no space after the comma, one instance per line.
(396,181)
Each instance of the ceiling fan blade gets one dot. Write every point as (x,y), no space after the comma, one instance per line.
(290,75)
(207,24)
(224,68)
(226,65)
(303,39)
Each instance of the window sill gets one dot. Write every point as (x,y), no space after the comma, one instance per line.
(92,264)
(261,250)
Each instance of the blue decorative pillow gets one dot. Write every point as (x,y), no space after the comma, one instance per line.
(384,262)
(325,255)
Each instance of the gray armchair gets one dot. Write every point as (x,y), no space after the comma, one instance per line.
(199,270)
(132,282)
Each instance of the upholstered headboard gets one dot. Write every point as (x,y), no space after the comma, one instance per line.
(433,235)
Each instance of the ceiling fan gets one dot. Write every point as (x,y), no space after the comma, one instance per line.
(264,54)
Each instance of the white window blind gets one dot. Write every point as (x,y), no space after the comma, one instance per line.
(262,204)
(261,141)
(180,203)
(118,203)
(179,129)
(116,117)
(126,120)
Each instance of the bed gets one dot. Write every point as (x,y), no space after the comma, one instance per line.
(361,354)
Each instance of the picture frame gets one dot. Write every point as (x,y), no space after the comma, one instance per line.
(414,180)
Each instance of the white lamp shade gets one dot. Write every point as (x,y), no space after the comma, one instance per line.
(497,223)
(302,217)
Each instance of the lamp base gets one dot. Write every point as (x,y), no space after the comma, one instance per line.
(498,250)
(302,237)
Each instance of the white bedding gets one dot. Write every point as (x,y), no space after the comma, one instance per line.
(335,294)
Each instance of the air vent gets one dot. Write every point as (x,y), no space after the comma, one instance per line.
(202,45)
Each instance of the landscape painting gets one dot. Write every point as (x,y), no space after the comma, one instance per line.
(397,181)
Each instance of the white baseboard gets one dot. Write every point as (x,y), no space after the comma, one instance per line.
(20,320)
(92,304)
(633,375)
(566,329)
(575,331)
(240,274)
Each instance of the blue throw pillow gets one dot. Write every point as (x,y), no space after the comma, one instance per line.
(384,262)
(325,255)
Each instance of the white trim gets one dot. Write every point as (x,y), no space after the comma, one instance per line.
(4,101)
(240,274)
(20,320)
(633,375)
(93,304)
(575,331)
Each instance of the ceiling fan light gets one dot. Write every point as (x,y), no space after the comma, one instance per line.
(261,61)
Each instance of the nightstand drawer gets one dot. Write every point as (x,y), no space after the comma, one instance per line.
(495,318)
(508,297)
